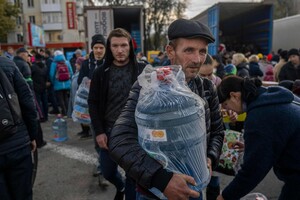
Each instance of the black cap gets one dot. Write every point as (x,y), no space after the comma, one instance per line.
(183,28)
(98,38)
(21,50)
(293,52)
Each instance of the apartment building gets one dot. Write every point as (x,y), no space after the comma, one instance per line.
(60,20)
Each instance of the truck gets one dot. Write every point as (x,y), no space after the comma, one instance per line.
(286,32)
(103,19)
(240,26)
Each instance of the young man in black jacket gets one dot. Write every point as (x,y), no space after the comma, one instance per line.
(15,151)
(188,47)
(109,90)
(95,60)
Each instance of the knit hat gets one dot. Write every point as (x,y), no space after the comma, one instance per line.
(78,51)
(98,38)
(184,28)
(38,57)
(260,55)
(293,52)
(230,69)
(79,60)
(58,52)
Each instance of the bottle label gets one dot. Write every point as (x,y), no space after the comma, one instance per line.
(156,135)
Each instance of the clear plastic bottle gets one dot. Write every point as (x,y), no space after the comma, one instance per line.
(172,130)
(60,128)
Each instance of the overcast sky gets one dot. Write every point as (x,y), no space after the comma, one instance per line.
(197,6)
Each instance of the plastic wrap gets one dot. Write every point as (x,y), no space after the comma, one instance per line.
(254,196)
(81,109)
(171,124)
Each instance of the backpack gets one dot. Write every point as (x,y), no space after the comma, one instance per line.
(10,112)
(62,72)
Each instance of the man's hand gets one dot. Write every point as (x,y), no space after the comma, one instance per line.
(33,145)
(177,188)
(102,141)
(220,197)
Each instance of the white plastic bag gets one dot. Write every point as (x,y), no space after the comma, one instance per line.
(81,109)
(171,124)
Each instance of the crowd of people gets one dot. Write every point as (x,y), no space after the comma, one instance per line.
(232,81)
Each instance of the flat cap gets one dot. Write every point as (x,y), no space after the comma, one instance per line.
(184,28)
(21,50)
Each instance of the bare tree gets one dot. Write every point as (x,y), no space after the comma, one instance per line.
(158,15)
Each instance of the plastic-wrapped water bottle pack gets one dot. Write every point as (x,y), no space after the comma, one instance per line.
(171,124)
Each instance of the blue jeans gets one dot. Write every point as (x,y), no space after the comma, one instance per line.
(110,171)
(97,148)
(15,175)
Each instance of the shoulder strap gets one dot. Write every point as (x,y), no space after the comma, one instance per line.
(7,87)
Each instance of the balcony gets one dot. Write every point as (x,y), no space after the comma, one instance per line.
(53,27)
(51,8)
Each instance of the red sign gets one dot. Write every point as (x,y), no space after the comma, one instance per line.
(71,15)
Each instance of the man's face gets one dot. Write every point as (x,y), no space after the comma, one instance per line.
(99,51)
(120,50)
(295,60)
(190,54)
(10,51)
(24,55)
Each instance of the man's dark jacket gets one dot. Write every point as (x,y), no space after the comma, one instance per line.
(128,153)
(289,72)
(27,129)
(23,67)
(99,88)
(88,67)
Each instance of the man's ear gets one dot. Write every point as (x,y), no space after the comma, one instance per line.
(170,51)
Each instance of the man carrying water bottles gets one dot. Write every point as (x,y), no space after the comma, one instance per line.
(188,43)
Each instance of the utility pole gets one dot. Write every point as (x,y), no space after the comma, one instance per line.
(24,25)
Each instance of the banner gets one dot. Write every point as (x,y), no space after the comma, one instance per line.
(71,15)
(99,22)
(36,35)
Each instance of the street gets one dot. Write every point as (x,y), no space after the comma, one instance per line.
(65,170)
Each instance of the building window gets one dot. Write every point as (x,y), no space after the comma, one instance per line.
(32,19)
(52,18)
(17,2)
(50,37)
(19,37)
(19,20)
(30,3)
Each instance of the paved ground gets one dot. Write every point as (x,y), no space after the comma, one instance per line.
(65,170)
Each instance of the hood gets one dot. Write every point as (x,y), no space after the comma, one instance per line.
(59,58)
(109,57)
(271,95)
(40,64)
(243,65)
